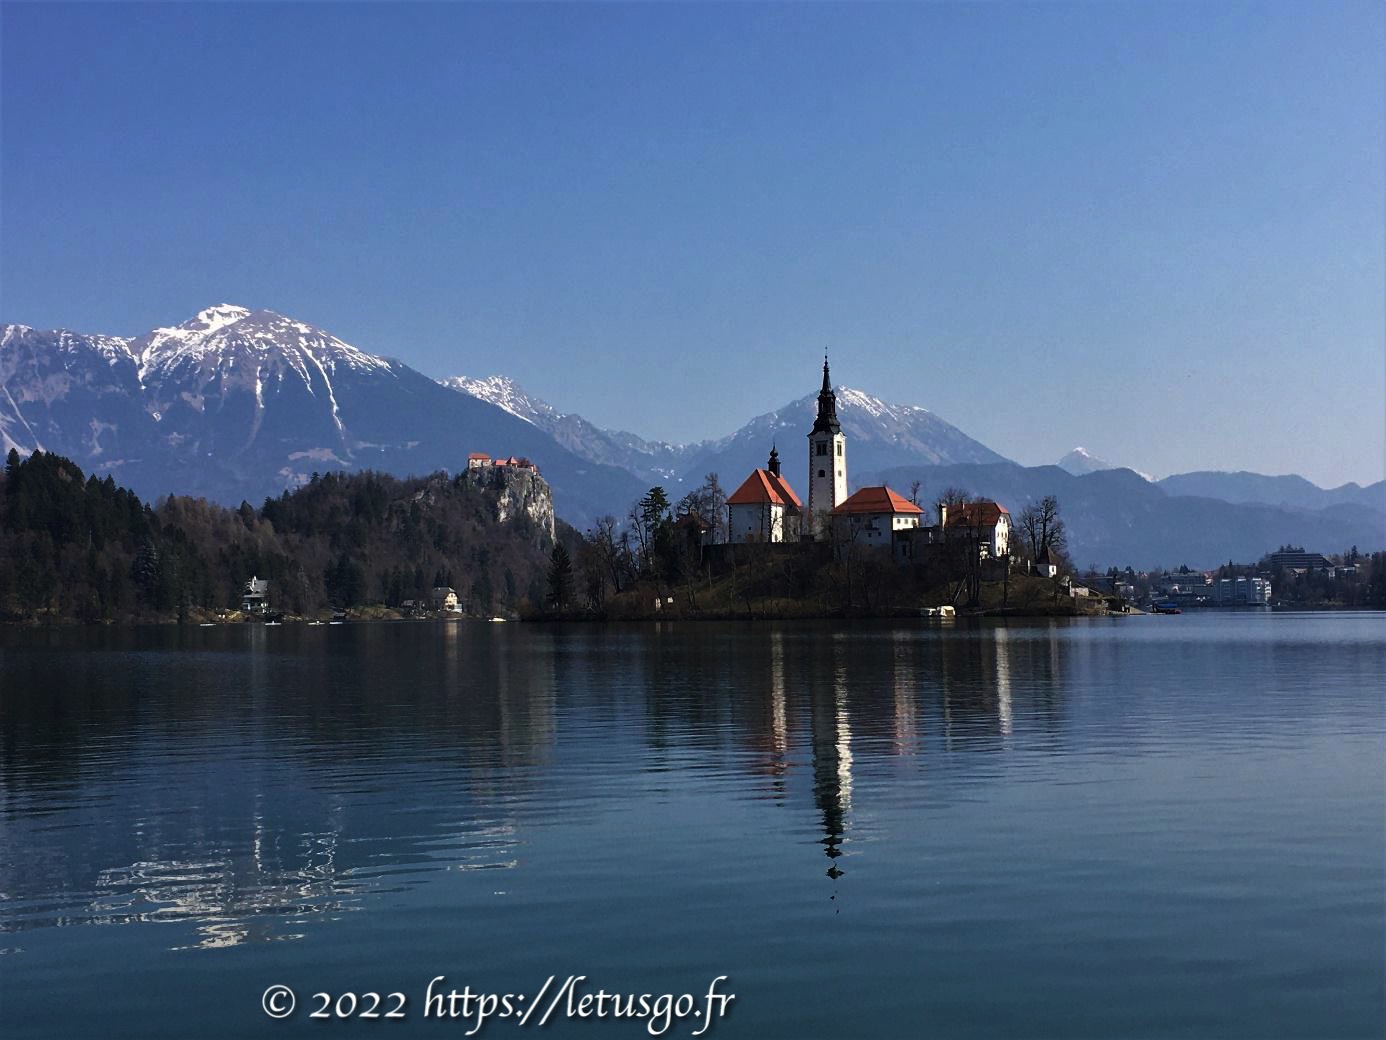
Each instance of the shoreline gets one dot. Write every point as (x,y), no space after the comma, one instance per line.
(585,617)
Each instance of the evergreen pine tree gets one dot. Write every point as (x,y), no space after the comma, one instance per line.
(560,578)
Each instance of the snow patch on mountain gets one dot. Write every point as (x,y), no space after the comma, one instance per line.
(504,392)
(652,461)
(226,337)
(1080,461)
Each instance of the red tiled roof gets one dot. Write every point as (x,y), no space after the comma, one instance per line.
(785,490)
(878,500)
(763,486)
(479,455)
(977,514)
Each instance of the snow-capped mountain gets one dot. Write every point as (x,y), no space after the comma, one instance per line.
(652,461)
(1080,461)
(230,377)
(240,404)
(504,392)
(879,434)
(61,387)
(237,403)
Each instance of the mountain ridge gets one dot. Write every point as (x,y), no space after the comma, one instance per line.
(1116,516)
(1291,489)
(654,461)
(236,403)
(239,404)
(879,433)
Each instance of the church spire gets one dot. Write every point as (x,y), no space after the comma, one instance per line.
(774,464)
(827,405)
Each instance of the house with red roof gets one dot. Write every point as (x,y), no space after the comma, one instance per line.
(480,460)
(872,515)
(765,508)
(986,522)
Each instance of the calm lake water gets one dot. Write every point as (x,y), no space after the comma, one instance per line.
(1136,827)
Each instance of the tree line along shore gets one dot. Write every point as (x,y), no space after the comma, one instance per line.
(370,546)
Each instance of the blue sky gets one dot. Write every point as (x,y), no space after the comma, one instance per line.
(1155,230)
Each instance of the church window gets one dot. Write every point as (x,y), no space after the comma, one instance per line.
(822,449)
(820,473)
(839,449)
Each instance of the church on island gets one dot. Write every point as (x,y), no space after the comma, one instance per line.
(766,509)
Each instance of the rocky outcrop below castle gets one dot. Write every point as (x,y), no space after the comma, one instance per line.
(517,491)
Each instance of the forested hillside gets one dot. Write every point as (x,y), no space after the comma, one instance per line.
(80,547)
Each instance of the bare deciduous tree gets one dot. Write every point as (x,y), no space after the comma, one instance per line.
(1043,527)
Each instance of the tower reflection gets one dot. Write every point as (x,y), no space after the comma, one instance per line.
(831,733)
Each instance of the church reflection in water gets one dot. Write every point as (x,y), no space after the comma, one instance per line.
(857,700)
(279,787)
(831,732)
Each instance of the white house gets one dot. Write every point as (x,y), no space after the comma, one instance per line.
(988,522)
(765,508)
(871,517)
(443,598)
(255,599)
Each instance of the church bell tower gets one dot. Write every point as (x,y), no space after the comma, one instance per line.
(827,461)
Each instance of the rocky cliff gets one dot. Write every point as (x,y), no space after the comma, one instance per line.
(517,491)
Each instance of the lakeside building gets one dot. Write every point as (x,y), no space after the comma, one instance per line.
(695,532)
(1196,589)
(987,522)
(443,598)
(765,508)
(872,517)
(1292,559)
(1188,590)
(1232,592)
(255,599)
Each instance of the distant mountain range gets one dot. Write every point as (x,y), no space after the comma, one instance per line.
(879,434)
(238,404)
(1080,461)
(1291,491)
(653,462)
(1117,516)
